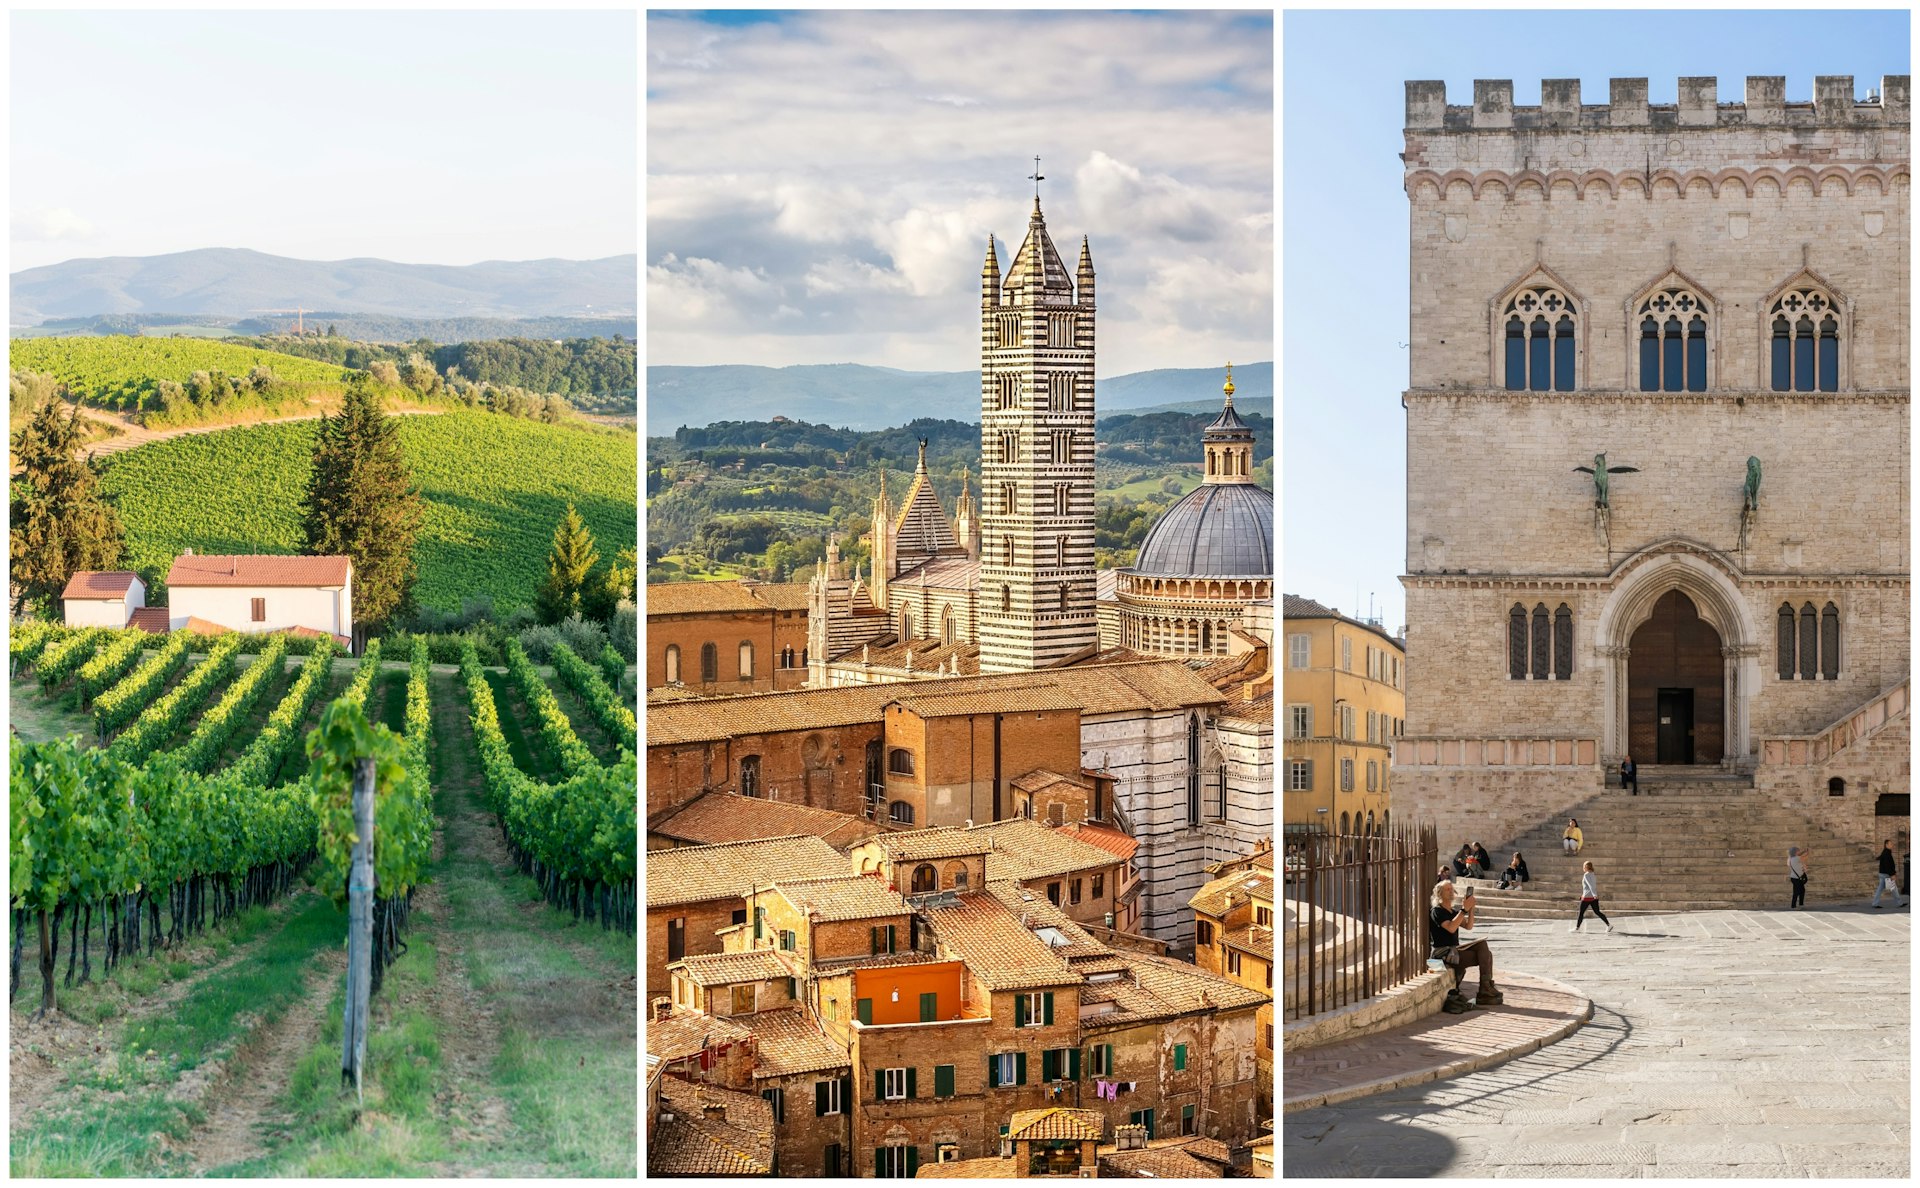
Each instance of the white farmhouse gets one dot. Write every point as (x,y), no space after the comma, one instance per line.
(258,593)
(96,598)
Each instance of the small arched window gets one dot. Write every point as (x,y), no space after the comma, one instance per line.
(946,626)
(900,761)
(900,813)
(956,874)
(709,663)
(1193,769)
(1006,598)
(906,625)
(1673,341)
(1563,643)
(673,664)
(1809,643)
(1783,643)
(1517,643)
(925,878)
(1541,335)
(1836,787)
(1006,550)
(1806,341)
(746,660)
(750,775)
(1830,642)
(1542,643)
(1346,824)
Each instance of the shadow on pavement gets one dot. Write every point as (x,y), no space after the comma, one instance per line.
(1371,1147)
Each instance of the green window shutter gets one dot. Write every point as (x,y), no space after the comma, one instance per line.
(1179,1057)
(879,1162)
(913,1090)
(864,1011)
(846,1101)
(993,1072)
(929,1007)
(759,921)
(820,1099)
(1019,1010)
(890,947)
(793,989)
(879,1084)
(1073,1064)
(913,1161)
(943,1080)
(1050,1065)
(1108,1067)
(873,938)
(1019,1068)
(1047,1001)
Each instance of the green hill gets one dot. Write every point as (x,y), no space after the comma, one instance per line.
(494,486)
(121,371)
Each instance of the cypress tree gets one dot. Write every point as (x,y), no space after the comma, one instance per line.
(361,502)
(569,562)
(60,522)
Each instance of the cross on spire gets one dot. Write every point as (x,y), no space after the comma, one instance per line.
(1036,177)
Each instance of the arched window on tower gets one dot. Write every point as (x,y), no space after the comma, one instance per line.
(746,659)
(1673,341)
(1193,769)
(1809,643)
(946,626)
(1517,643)
(1063,597)
(1806,341)
(1006,598)
(1006,550)
(1540,339)
(1830,642)
(1783,641)
(750,775)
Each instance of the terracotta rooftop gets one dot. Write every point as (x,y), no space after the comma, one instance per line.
(693,1144)
(92,584)
(992,1168)
(1226,894)
(696,874)
(929,655)
(693,598)
(258,569)
(920,845)
(680,1036)
(1108,839)
(1039,912)
(727,969)
(1000,952)
(1167,1162)
(782,595)
(716,817)
(1040,779)
(847,897)
(1026,850)
(1116,688)
(1055,1123)
(151,619)
(1250,938)
(1162,988)
(200,626)
(790,1043)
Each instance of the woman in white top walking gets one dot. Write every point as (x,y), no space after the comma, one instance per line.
(1590,898)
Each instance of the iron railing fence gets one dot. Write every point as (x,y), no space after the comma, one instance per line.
(1355,910)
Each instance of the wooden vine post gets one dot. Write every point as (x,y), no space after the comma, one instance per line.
(353,1055)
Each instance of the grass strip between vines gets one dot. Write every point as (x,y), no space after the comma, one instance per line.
(528,749)
(118,1119)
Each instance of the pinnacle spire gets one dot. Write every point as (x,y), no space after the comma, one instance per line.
(921,467)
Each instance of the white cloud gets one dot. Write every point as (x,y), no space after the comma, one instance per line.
(51,224)
(696,292)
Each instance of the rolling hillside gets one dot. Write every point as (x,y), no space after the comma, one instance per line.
(494,487)
(120,372)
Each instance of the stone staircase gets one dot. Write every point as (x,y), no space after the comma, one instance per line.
(1695,838)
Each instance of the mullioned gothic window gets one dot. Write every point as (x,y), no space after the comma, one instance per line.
(1805,327)
(1807,642)
(1539,328)
(1540,643)
(1672,326)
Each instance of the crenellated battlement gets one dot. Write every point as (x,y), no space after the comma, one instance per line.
(1833,105)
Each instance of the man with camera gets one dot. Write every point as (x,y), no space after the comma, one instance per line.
(1444,924)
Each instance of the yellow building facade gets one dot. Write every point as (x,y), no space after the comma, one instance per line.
(1344,692)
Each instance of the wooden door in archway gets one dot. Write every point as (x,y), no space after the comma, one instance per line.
(1675,672)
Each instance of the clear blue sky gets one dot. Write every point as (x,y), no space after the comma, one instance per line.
(1344,232)
(441,137)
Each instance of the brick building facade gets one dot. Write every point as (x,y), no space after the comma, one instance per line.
(726,637)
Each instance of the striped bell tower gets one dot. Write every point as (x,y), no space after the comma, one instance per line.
(1036,456)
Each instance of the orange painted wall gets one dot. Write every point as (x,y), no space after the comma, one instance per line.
(941,978)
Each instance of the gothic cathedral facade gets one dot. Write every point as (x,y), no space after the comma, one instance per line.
(1657,448)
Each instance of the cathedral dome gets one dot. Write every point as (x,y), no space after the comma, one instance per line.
(1217,530)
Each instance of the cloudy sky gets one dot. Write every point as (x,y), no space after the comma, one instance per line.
(820,185)
(425,137)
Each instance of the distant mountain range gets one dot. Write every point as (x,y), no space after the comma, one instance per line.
(236,282)
(855,396)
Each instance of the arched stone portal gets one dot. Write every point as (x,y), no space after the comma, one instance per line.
(1708,582)
(1676,686)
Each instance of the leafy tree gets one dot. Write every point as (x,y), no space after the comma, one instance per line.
(569,562)
(361,502)
(61,523)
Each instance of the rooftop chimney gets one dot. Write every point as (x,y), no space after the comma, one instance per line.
(662,1007)
(714,1113)
(1130,1138)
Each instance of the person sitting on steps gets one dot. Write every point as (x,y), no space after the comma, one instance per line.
(1444,922)
(1515,875)
(1630,775)
(1572,838)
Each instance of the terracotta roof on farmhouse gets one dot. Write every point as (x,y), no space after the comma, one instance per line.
(679,1036)
(200,626)
(1025,850)
(151,619)
(918,845)
(1107,839)
(727,969)
(692,1144)
(316,633)
(790,1043)
(1001,953)
(692,598)
(695,874)
(847,897)
(715,817)
(1116,688)
(1228,893)
(257,569)
(90,584)
(1055,1123)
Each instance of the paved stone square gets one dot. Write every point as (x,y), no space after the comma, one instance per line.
(1734,1043)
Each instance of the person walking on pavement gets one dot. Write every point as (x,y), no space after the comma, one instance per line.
(1886,881)
(1590,898)
(1571,839)
(1630,774)
(1797,875)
